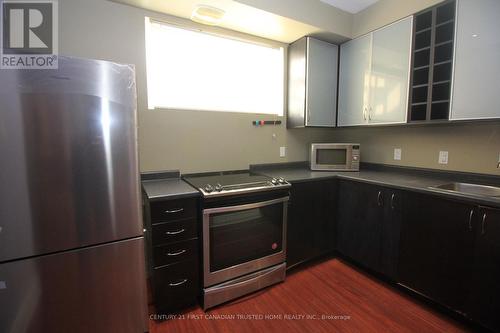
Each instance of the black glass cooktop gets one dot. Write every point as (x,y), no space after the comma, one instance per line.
(225,183)
(226,179)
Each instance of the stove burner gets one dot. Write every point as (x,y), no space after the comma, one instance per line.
(227,183)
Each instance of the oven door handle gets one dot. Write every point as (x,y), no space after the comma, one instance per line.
(244,207)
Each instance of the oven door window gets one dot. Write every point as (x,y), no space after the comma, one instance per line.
(240,236)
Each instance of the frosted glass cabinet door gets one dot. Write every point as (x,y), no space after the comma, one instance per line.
(322,64)
(389,77)
(476,79)
(353,81)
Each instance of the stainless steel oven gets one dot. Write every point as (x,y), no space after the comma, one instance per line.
(244,246)
(244,232)
(241,239)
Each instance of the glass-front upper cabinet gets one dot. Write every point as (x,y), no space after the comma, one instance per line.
(374,76)
(477,60)
(354,76)
(389,73)
(312,83)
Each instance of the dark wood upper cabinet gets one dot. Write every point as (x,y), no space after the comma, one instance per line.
(311,221)
(436,248)
(432,63)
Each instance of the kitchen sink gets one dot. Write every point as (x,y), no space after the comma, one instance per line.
(474,189)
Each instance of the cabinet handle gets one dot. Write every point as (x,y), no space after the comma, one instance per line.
(178,283)
(173,211)
(379,198)
(470,219)
(364,113)
(175,232)
(393,196)
(483,225)
(370,113)
(173,254)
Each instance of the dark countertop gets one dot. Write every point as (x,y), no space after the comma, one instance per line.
(168,188)
(395,177)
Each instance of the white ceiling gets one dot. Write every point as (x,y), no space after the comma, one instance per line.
(351,6)
(238,17)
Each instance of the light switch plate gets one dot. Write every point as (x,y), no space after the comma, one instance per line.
(397,154)
(282,151)
(443,157)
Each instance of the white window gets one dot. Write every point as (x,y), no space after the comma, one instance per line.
(193,70)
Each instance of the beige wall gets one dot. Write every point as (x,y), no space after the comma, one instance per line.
(473,148)
(192,141)
(207,141)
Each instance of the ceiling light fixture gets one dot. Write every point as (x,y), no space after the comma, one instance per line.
(209,15)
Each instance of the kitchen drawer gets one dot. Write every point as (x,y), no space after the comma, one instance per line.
(171,210)
(176,286)
(174,231)
(175,252)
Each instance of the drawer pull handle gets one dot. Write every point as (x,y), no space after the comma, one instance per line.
(178,283)
(173,211)
(173,254)
(175,232)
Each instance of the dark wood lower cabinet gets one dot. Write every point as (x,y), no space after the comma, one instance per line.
(483,303)
(390,235)
(450,252)
(173,251)
(368,224)
(311,220)
(176,286)
(436,248)
(445,249)
(359,224)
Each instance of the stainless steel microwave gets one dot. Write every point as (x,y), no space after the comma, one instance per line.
(335,156)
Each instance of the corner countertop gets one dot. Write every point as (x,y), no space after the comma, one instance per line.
(167,188)
(418,180)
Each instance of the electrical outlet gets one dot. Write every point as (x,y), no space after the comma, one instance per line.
(397,154)
(282,151)
(443,157)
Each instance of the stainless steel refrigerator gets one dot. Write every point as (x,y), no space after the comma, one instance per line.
(71,234)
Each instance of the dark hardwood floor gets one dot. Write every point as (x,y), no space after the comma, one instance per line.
(330,288)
